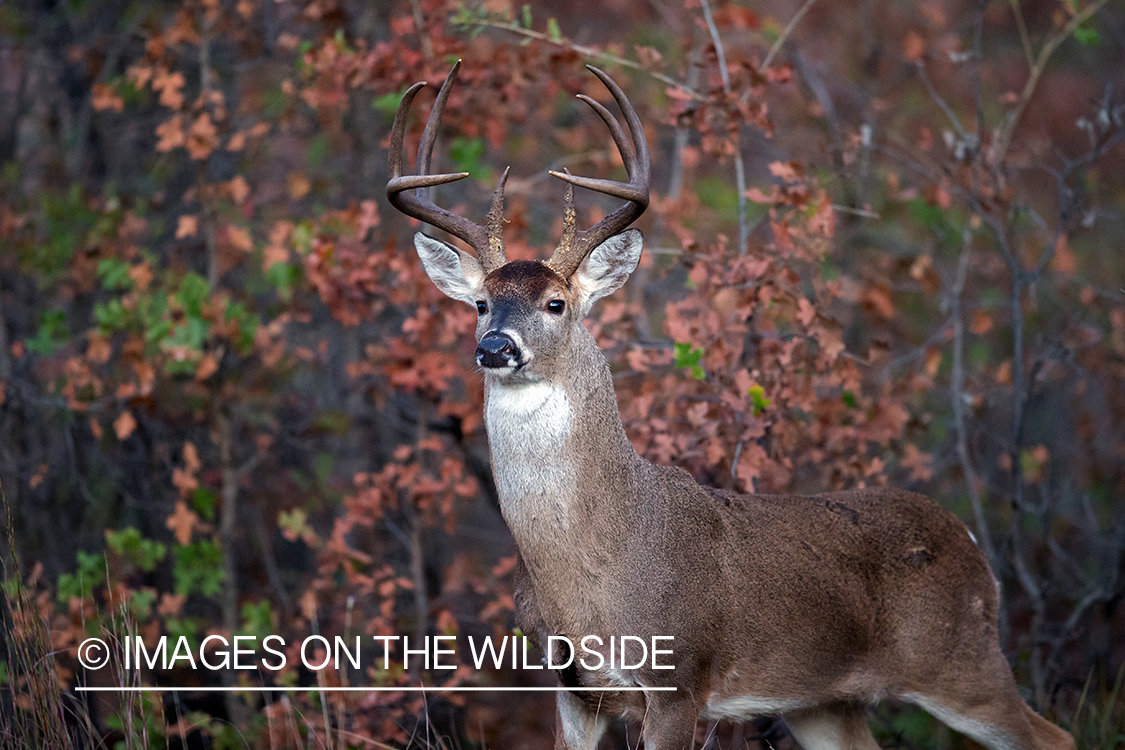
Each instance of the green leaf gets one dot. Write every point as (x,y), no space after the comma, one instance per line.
(193,292)
(526,16)
(685,356)
(198,568)
(388,103)
(51,335)
(758,398)
(114,274)
(128,543)
(204,502)
(849,400)
(1087,37)
(294,523)
(82,582)
(553,30)
(466,153)
(110,316)
(140,604)
(257,619)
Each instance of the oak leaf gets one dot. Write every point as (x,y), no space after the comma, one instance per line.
(182,522)
(186,226)
(124,425)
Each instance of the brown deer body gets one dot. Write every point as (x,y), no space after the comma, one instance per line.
(804,607)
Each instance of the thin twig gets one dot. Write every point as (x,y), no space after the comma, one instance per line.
(1024,39)
(590,52)
(785,33)
(1004,137)
(739,167)
(420,27)
(957,398)
(941,102)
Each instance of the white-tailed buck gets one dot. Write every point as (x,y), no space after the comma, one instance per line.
(807,607)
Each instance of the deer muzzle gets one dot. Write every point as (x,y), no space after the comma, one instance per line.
(497,350)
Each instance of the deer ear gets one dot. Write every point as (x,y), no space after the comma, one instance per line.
(456,273)
(607,267)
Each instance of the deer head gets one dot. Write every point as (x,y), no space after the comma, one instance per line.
(527,308)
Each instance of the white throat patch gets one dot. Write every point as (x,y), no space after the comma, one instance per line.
(528,426)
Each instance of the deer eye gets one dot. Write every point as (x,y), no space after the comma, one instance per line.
(556,307)
(482,307)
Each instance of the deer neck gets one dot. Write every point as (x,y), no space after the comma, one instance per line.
(562,462)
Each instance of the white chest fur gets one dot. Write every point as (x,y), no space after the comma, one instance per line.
(528,427)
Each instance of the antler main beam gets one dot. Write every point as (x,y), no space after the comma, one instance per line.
(576,244)
(411,193)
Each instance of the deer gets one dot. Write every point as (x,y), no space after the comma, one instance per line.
(809,608)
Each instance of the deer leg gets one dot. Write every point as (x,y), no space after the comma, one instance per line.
(576,726)
(669,724)
(835,727)
(984,704)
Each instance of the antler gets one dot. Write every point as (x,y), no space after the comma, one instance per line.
(411,193)
(576,244)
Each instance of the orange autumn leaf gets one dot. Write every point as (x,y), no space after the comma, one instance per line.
(124,425)
(141,274)
(913,46)
(788,171)
(99,350)
(186,226)
(806,313)
(182,522)
(919,463)
(208,366)
(139,75)
(171,134)
(274,254)
(239,190)
(299,185)
(982,323)
(238,237)
(103,97)
(1064,261)
(202,137)
(191,457)
(184,481)
(169,85)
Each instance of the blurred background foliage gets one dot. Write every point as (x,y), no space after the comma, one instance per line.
(885,247)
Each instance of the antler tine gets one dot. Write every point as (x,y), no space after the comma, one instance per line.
(410,194)
(577,245)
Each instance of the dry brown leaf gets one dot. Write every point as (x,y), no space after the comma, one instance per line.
(299,185)
(182,522)
(202,137)
(171,133)
(913,46)
(186,226)
(124,425)
(103,97)
(239,190)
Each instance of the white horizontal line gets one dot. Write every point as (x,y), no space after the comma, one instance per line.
(314,689)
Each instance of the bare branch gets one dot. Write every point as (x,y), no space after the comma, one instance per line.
(739,167)
(1008,126)
(786,32)
(957,399)
(590,52)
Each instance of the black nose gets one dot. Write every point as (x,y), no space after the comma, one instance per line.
(497,350)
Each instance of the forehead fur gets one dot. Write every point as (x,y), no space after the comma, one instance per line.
(526,278)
